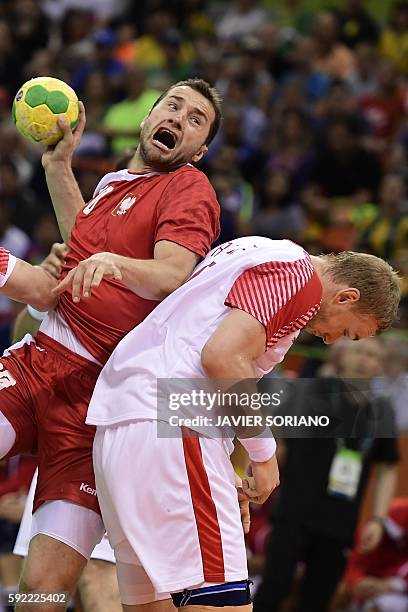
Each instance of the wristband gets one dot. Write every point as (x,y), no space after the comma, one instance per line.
(261,448)
(38,315)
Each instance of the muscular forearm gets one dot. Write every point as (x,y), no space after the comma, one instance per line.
(65,195)
(30,285)
(152,279)
(234,376)
(39,294)
(384,489)
(250,430)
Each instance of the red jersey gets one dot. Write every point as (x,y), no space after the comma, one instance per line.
(128,214)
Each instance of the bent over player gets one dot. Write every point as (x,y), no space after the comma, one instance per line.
(168,501)
(150,225)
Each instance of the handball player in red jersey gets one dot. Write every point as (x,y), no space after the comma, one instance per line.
(141,235)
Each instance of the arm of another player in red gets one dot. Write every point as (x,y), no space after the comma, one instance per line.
(155,279)
(152,279)
(25,283)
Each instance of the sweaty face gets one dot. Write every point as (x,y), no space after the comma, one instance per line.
(338,321)
(175,131)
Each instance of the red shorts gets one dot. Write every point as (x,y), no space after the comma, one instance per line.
(47,407)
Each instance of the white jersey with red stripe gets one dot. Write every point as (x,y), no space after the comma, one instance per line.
(273,280)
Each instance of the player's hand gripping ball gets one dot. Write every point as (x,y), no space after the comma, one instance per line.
(37,106)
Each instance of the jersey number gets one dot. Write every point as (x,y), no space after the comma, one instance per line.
(91,205)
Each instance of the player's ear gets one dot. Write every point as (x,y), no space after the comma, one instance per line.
(347,296)
(200,153)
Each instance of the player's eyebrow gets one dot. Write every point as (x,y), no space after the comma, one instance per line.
(195,109)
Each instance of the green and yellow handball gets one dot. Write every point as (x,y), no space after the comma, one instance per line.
(37,106)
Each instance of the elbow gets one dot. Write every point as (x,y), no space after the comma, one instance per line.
(170,283)
(210,362)
(165,290)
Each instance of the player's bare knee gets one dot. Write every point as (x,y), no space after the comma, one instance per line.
(96,569)
(7,436)
(26,587)
(98,587)
(51,566)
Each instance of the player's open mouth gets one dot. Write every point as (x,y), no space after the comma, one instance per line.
(164,139)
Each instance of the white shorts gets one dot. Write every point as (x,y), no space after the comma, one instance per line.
(66,532)
(170,508)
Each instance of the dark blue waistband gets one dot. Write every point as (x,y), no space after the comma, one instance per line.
(219,595)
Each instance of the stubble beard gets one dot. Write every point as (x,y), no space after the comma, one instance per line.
(156,163)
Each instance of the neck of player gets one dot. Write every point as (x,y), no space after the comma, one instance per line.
(138,164)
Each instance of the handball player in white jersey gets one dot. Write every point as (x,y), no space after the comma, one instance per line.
(169,502)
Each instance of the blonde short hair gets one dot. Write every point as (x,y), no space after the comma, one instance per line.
(378,283)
